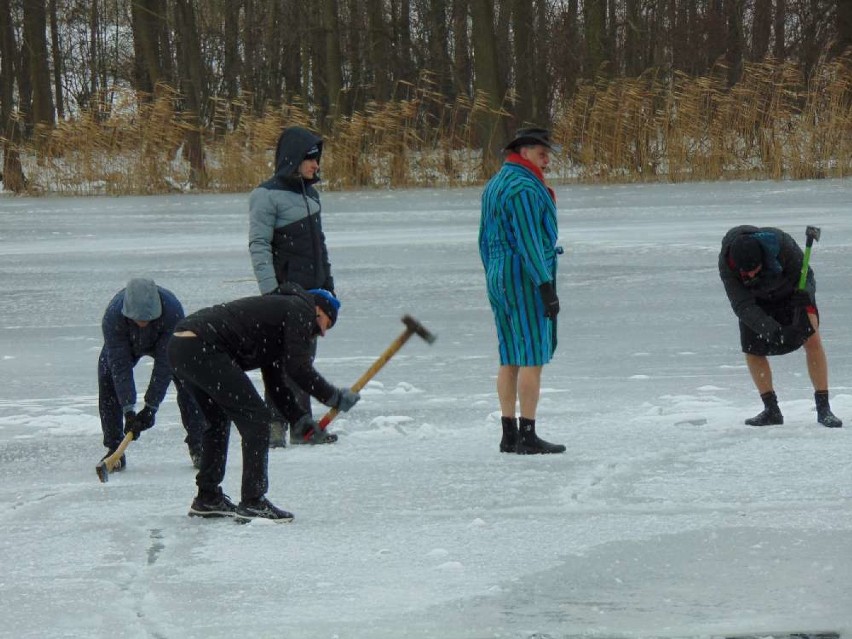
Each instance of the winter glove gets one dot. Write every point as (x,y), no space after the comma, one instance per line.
(549,299)
(130,423)
(139,422)
(801,299)
(344,399)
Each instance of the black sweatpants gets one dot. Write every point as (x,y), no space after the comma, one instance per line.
(224,393)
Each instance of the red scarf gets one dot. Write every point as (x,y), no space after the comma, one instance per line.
(517,158)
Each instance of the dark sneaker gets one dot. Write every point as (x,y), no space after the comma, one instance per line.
(768,417)
(829,419)
(262,508)
(307,431)
(220,506)
(277,435)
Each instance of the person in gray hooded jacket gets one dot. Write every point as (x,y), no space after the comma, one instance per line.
(287,245)
(139,321)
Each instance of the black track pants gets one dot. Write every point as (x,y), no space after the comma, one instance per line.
(224,393)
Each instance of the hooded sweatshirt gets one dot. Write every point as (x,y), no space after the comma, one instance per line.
(286,240)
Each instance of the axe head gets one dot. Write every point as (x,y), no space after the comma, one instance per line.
(418,329)
(812,233)
(103,472)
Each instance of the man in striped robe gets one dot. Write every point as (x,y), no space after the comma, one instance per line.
(517,243)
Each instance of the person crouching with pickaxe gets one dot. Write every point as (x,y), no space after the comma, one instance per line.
(210,352)
(772,291)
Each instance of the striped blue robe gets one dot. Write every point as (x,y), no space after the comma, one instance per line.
(517,243)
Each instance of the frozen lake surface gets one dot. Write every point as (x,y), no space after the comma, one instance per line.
(667,517)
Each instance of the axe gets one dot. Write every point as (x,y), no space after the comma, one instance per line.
(811,233)
(105,466)
(412,327)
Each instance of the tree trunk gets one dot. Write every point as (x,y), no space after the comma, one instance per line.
(35,29)
(843,42)
(594,19)
(146,22)
(13,173)
(333,64)
(716,32)
(525,61)
(761,29)
(779,49)
(462,66)
(379,50)
(734,40)
(633,62)
(56,50)
(192,84)
(487,82)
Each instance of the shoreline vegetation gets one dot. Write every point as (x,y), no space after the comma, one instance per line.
(658,127)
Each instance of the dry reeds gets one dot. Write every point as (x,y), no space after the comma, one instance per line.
(769,125)
(659,126)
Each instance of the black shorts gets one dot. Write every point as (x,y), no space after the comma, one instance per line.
(783,313)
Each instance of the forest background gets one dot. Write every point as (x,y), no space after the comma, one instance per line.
(151,96)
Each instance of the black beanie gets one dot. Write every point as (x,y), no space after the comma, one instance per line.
(746,253)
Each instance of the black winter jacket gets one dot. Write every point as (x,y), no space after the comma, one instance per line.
(265,332)
(778,279)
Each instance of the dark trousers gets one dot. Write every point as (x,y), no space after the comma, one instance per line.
(112,417)
(224,393)
(298,401)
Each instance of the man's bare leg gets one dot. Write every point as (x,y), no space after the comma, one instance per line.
(761,375)
(529,389)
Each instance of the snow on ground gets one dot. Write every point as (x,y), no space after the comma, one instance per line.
(666,518)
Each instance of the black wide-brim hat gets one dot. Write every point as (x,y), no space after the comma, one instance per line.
(530,137)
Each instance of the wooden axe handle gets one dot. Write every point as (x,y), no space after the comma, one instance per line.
(370,373)
(113,460)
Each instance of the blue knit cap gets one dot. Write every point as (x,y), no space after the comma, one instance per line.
(327,302)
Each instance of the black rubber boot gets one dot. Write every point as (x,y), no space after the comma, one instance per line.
(824,414)
(510,434)
(530,444)
(770,415)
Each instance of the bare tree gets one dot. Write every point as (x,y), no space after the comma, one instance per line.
(56,56)
(487,81)
(13,173)
(192,82)
(843,41)
(35,30)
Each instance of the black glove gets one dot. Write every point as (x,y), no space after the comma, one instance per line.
(130,423)
(549,299)
(801,299)
(139,422)
(344,399)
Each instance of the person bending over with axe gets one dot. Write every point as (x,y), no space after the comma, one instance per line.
(772,291)
(139,321)
(210,352)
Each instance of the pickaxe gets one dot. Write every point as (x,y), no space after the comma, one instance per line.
(106,465)
(412,327)
(811,233)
